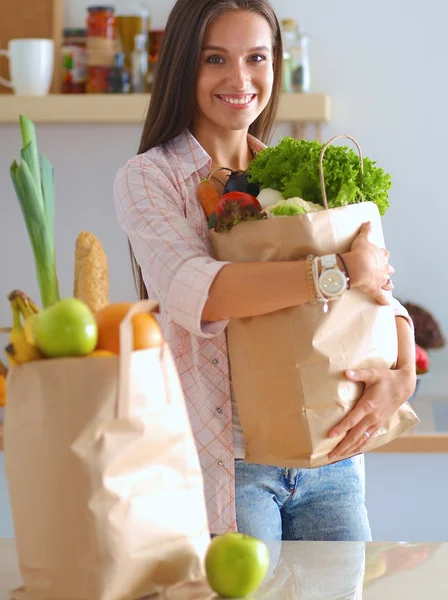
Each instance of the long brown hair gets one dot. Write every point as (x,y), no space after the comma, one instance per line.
(173,101)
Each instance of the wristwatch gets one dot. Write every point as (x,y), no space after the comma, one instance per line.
(332,281)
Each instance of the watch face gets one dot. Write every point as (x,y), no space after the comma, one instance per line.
(332,282)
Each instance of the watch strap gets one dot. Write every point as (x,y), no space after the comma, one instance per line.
(347,274)
(329,261)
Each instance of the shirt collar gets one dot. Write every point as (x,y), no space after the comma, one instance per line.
(193,158)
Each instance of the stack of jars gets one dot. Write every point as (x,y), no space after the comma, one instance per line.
(111,55)
(102,47)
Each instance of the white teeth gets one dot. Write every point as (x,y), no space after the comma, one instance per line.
(242,100)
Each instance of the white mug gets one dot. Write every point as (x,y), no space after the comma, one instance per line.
(31,63)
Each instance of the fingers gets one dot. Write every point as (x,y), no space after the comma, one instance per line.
(367,376)
(347,424)
(354,441)
(361,442)
(350,421)
(366,229)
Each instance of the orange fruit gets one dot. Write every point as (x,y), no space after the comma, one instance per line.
(147,332)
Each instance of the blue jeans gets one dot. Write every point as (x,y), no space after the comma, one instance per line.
(323,504)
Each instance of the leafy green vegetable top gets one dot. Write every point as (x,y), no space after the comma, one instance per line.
(292,168)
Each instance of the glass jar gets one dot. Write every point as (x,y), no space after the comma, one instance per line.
(101,22)
(296,67)
(98,80)
(74,61)
(102,45)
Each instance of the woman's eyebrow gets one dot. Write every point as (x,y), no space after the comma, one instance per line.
(219,49)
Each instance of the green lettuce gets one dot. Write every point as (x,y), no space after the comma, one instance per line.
(292,168)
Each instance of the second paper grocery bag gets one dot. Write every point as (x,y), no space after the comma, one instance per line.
(104,479)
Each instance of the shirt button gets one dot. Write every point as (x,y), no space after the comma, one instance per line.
(215,361)
(219,410)
(219,463)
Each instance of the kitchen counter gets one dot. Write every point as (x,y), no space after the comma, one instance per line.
(318,570)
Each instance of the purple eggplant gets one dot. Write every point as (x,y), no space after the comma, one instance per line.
(237,181)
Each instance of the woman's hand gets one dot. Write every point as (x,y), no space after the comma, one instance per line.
(385,391)
(369,267)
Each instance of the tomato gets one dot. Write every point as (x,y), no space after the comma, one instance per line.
(241,198)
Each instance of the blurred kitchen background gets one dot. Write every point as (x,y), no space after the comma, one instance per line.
(382,65)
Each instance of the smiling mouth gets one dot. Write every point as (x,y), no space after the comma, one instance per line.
(237,101)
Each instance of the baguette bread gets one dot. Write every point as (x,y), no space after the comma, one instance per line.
(91,272)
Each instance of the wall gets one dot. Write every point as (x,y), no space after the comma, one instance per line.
(383,64)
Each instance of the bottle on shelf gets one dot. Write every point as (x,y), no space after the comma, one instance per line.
(128,26)
(154,45)
(74,61)
(119,77)
(139,64)
(297,70)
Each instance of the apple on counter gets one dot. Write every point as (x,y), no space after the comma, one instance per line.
(236,564)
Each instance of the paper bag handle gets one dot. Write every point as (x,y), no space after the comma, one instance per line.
(321,165)
(126,349)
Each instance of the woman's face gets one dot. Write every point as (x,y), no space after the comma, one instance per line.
(236,71)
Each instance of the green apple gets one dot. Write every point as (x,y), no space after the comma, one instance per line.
(66,328)
(236,564)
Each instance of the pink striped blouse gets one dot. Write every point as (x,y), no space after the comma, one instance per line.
(157,207)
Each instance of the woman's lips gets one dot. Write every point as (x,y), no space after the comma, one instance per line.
(240,101)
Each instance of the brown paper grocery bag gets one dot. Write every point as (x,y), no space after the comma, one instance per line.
(104,479)
(288,367)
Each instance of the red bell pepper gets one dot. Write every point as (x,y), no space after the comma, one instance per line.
(236,207)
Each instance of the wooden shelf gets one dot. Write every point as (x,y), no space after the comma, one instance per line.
(431,443)
(117,108)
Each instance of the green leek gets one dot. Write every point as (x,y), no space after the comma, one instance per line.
(34,186)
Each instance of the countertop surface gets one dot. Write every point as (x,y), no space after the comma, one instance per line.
(318,570)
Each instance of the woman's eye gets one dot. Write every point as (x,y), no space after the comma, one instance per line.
(215,60)
(257,58)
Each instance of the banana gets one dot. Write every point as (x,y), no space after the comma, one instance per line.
(26,300)
(28,310)
(19,350)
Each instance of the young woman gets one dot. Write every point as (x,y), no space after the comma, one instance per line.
(214,102)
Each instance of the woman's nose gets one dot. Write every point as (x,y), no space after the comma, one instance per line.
(238,77)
